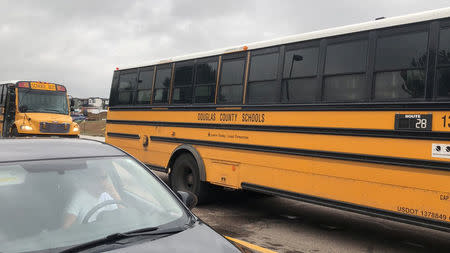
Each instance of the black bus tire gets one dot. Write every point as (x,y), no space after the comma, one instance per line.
(185,176)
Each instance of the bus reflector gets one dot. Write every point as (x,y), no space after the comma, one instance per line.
(244,48)
(61,88)
(117,68)
(24,85)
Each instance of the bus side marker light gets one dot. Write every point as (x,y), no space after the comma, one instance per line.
(61,88)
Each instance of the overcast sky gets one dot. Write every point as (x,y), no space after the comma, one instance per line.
(78,43)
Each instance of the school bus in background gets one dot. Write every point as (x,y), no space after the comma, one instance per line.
(356,118)
(34,108)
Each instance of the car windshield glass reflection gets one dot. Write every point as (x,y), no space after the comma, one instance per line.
(60,203)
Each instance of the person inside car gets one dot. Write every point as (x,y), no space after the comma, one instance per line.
(94,192)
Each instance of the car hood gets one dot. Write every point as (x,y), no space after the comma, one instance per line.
(199,238)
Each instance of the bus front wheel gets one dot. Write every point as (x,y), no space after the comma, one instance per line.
(185,176)
(14,132)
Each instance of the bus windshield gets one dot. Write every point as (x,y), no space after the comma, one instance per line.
(43,101)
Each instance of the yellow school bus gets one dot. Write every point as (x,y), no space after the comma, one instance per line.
(355,117)
(34,108)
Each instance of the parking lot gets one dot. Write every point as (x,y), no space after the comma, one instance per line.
(291,226)
(285,127)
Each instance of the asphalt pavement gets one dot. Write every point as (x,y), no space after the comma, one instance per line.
(291,226)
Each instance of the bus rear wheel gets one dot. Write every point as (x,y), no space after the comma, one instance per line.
(185,176)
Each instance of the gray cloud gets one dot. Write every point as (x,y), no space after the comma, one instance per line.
(79,43)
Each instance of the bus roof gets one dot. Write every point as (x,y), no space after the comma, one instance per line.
(376,24)
(10,81)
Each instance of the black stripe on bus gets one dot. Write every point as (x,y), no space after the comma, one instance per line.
(122,135)
(408,162)
(443,136)
(375,212)
(157,168)
(402,106)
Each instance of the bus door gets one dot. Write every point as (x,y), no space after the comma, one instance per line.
(9,109)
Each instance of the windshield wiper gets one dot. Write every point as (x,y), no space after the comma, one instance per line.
(112,238)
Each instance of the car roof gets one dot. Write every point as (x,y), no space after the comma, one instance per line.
(25,149)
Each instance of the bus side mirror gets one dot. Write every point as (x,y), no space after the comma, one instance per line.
(23,108)
(71,105)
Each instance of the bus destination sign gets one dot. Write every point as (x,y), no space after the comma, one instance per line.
(43,86)
(416,122)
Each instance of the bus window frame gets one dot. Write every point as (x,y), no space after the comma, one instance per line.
(146,68)
(275,81)
(396,31)
(436,27)
(211,59)
(132,91)
(181,64)
(345,38)
(298,46)
(159,67)
(230,57)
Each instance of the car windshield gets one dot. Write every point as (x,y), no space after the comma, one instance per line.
(43,101)
(49,205)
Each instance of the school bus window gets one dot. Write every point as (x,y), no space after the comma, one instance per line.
(299,84)
(443,67)
(182,84)
(124,98)
(127,81)
(114,92)
(145,83)
(262,85)
(345,67)
(400,62)
(162,84)
(2,95)
(205,84)
(231,81)
(127,85)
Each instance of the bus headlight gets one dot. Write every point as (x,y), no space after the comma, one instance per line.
(26,128)
(76,129)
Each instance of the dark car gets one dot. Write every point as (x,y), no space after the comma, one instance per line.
(80,195)
(78,117)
